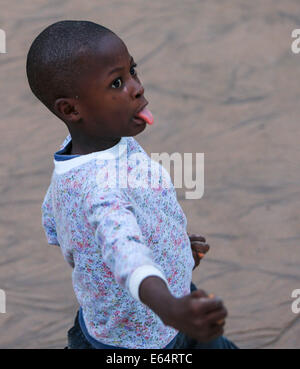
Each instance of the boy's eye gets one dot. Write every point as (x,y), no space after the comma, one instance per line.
(133,69)
(117,83)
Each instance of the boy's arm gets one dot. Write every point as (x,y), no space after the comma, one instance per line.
(119,240)
(196,314)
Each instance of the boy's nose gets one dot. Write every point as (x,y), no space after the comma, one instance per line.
(140,91)
(137,89)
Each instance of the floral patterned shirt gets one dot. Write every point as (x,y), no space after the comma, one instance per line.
(114,231)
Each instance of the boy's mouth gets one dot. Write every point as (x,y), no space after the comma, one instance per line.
(138,121)
(143,116)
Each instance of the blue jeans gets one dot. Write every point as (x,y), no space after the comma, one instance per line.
(77,339)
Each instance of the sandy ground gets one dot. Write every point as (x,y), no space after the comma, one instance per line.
(221,79)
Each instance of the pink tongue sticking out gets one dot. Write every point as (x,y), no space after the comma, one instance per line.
(146,115)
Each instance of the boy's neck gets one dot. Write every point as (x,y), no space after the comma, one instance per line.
(94,145)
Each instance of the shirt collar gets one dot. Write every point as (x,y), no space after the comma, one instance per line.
(64,163)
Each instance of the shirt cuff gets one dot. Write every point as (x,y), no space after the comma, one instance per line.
(139,275)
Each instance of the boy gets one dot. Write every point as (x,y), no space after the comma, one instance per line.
(128,247)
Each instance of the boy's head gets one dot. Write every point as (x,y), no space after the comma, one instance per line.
(84,74)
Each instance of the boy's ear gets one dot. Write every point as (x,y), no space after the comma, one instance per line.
(66,109)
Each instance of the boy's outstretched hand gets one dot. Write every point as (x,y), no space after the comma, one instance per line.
(199,316)
(199,247)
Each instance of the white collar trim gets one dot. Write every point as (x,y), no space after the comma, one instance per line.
(114,152)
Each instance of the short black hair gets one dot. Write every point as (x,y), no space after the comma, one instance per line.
(53,58)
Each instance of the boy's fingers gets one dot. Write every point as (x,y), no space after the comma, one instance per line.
(195,237)
(208,305)
(220,322)
(217,317)
(196,257)
(199,293)
(200,247)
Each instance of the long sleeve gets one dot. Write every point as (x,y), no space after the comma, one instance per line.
(119,239)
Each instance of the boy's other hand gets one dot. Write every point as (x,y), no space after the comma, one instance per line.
(198,315)
(199,247)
